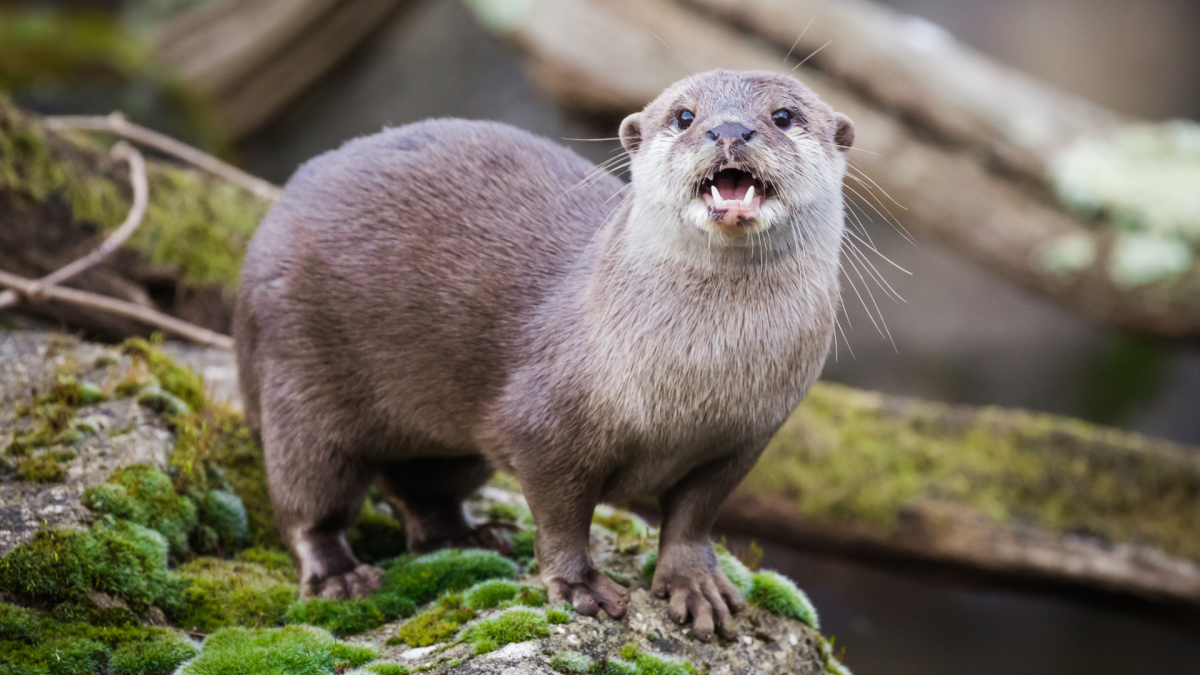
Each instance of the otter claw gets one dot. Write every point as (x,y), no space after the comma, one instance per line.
(589,596)
(357,583)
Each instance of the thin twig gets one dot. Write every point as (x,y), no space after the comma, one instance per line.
(130,310)
(116,123)
(141,197)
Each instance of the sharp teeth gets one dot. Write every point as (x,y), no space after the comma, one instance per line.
(718,201)
(749,198)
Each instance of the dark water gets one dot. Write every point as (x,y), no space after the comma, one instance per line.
(890,624)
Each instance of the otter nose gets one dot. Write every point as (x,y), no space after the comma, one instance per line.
(731,131)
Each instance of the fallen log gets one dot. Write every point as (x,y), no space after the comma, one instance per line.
(61,192)
(1005,494)
(966,173)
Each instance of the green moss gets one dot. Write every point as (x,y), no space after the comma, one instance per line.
(340,617)
(649,664)
(737,572)
(849,457)
(230,593)
(438,623)
(144,495)
(522,546)
(778,595)
(40,469)
(17,623)
(223,511)
(613,666)
(376,536)
(490,594)
(158,656)
(269,651)
(570,662)
(194,223)
(423,579)
(559,615)
(177,380)
(381,668)
(513,625)
(499,511)
(121,558)
(54,656)
(623,523)
(272,560)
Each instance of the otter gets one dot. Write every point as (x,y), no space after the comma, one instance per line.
(440,300)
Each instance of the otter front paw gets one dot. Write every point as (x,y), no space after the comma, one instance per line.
(589,593)
(357,583)
(697,587)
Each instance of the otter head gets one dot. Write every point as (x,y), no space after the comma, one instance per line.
(737,153)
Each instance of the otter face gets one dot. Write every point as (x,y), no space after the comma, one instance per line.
(737,153)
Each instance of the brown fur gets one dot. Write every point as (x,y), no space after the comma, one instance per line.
(440,299)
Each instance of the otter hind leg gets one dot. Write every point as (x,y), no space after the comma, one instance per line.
(317,493)
(429,493)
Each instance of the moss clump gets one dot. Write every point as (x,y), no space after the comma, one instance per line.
(513,625)
(51,418)
(160,655)
(423,579)
(623,523)
(340,617)
(376,536)
(272,560)
(32,644)
(778,595)
(120,558)
(849,457)
(522,546)
(222,513)
(40,469)
(438,623)
(559,615)
(177,380)
(490,594)
(144,495)
(291,649)
(499,511)
(649,664)
(381,668)
(230,593)
(735,570)
(570,662)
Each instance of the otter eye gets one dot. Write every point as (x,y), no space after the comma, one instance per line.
(683,119)
(782,118)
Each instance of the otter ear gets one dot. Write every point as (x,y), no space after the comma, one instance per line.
(631,133)
(844,135)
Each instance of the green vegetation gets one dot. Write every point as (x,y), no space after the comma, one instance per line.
(648,664)
(291,649)
(622,523)
(848,457)
(160,655)
(423,579)
(513,625)
(232,593)
(377,536)
(144,495)
(116,557)
(194,223)
(559,615)
(570,662)
(438,623)
(40,469)
(500,511)
(777,594)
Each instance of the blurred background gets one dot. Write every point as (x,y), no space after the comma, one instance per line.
(962,334)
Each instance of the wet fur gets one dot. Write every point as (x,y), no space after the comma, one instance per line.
(440,299)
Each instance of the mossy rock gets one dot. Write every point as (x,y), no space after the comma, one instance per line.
(263,651)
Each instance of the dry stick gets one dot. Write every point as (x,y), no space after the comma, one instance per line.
(117,124)
(46,286)
(141,197)
(104,303)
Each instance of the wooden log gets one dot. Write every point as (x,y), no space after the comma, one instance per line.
(1007,494)
(251,58)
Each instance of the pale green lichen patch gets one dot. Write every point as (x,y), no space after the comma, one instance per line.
(1138,259)
(848,456)
(1144,177)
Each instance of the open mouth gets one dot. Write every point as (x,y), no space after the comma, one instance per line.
(733,194)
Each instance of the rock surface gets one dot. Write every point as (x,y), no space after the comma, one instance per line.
(118,432)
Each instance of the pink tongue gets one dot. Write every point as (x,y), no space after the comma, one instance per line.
(730,189)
